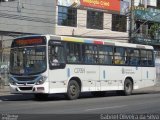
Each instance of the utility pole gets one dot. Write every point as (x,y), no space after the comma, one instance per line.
(1,48)
(131,22)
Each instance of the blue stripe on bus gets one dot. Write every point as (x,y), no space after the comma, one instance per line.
(68,72)
(104,74)
(88,41)
(147,74)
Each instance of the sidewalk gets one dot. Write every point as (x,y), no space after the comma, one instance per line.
(4,91)
(153,89)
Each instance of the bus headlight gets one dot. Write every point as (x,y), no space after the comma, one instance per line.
(41,80)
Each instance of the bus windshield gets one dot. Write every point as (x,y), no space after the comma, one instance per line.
(28,60)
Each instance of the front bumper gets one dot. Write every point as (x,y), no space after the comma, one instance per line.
(14,89)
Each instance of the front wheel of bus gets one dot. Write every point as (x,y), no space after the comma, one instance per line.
(73,90)
(128,87)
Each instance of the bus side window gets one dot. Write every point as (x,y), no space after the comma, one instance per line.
(144,61)
(150,58)
(118,58)
(119,55)
(89,57)
(71,58)
(110,58)
(89,54)
(73,51)
(105,55)
(132,57)
(101,55)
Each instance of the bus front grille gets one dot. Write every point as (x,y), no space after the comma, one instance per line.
(25,88)
(30,78)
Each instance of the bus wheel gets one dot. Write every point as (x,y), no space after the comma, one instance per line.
(40,96)
(128,87)
(73,90)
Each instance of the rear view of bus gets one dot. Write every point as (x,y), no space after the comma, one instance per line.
(28,65)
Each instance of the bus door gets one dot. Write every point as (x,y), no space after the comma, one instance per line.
(148,71)
(56,67)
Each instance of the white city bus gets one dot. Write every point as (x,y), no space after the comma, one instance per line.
(47,64)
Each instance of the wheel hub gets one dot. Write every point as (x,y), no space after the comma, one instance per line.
(73,90)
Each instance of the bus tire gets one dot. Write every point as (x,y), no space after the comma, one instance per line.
(73,90)
(40,96)
(128,87)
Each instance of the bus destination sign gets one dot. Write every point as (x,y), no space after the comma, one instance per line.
(30,41)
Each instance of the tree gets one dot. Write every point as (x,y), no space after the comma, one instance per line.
(154,29)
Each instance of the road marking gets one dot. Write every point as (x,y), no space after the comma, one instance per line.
(106,108)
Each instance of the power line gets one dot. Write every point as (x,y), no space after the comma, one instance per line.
(29,9)
(36,19)
(37,14)
(24,25)
(32,4)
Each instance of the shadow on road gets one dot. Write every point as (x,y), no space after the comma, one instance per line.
(60,97)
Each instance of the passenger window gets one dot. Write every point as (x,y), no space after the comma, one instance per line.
(105,55)
(144,59)
(89,54)
(147,58)
(132,57)
(119,56)
(73,53)
(150,58)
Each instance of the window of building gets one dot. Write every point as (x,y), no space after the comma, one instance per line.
(67,16)
(94,20)
(142,28)
(119,23)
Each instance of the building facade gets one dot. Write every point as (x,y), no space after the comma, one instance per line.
(145,29)
(92,21)
(61,17)
(52,17)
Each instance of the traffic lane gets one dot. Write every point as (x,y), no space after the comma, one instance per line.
(149,106)
(139,103)
(57,97)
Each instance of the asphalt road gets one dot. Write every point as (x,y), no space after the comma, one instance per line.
(87,107)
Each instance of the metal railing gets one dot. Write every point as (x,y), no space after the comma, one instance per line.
(147,40)
(4,74)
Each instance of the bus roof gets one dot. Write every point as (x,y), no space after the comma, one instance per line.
(99,41)
(93,41)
